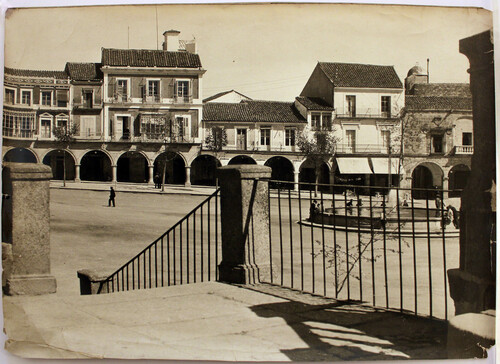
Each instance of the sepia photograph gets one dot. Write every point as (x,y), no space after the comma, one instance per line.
(249,182)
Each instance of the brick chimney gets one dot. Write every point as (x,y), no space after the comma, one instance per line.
(171,42)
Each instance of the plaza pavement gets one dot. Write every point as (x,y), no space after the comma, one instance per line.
(215,321)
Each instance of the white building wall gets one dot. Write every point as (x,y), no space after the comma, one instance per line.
(368,101)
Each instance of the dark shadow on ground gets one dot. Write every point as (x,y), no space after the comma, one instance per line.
(339,331)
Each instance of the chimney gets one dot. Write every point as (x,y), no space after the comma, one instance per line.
(191,46)
(171,42)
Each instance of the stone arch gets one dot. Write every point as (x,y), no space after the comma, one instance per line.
(57,159)
(282,169)
(20,155)
(132,166)
(242,159)
(203,169)
(428,176)
(175,167)
(307,174)
(457,179)
(95,165)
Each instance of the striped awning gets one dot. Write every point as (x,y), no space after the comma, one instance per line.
(353,166)
(381,165)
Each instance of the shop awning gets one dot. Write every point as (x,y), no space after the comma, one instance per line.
(381,165)
(353,166)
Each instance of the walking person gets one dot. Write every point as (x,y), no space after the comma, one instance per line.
(112,195)
(157,180)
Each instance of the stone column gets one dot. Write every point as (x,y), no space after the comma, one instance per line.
(446,187)
(150,176)
(244,223)
(26,228)
(114,170)
(296,176)
(77,173)
(188,176)
(472,286)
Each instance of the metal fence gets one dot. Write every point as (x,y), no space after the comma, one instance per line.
(377,245)
(188,252)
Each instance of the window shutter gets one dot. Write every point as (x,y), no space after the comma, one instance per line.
(97,96)
(62,95)
(143,91)
(36,95)
(36,124)
(190,88)
(77,96)
(111,87)
(194,125)
(98,126)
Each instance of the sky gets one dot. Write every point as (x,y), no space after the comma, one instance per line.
(266,52)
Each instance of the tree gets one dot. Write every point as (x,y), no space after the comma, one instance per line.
(65,136)
(318,147)
(216,139)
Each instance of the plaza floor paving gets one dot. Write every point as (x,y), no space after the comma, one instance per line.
(215,321)
(203,321)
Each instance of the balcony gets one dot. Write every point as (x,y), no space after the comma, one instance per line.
(153,99)
(365,149)
(187,99)
(464,149)
(155,138)
(86,106)
(366,115)
(17,133)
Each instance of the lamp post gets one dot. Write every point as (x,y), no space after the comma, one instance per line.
(164,165)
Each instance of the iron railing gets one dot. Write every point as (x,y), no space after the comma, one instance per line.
(387,249)
(188,252)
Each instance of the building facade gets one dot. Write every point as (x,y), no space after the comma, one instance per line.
(438,140)
(137,112)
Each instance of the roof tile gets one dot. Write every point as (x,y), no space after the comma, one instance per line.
(149,58)
(423,103)
(361,75)
(35,73)
(314,103)
(84,71)
(252,111)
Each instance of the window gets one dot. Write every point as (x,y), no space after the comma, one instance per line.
(18,124)
(62,98)
(45,128)
(46,98)
(10,96)
(351,105)
(87,126)
(315,121)
(62,123)
(289,137)
(466,138)
(154,89)
(350,140)
(437,144)
(182,88)
(265,136)
(26,97)
(326,122)
(122,88)
(386,106)
(88,99)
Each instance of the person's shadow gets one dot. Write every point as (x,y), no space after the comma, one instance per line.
(339,331)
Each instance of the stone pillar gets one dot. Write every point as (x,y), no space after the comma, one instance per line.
(188,176)
(77,173)
(446,187)
(26,228)
(472,286)
(244,223)
(296,176)
(114,172)
(150,176)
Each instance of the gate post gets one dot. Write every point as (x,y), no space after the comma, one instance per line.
(26,228)
(244,223)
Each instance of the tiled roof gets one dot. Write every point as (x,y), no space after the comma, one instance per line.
(361,75)
(149,58)
(252,111)
(423,103)
(84,71)
(216,96)
(35,73)
(314,103)
(442,89)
